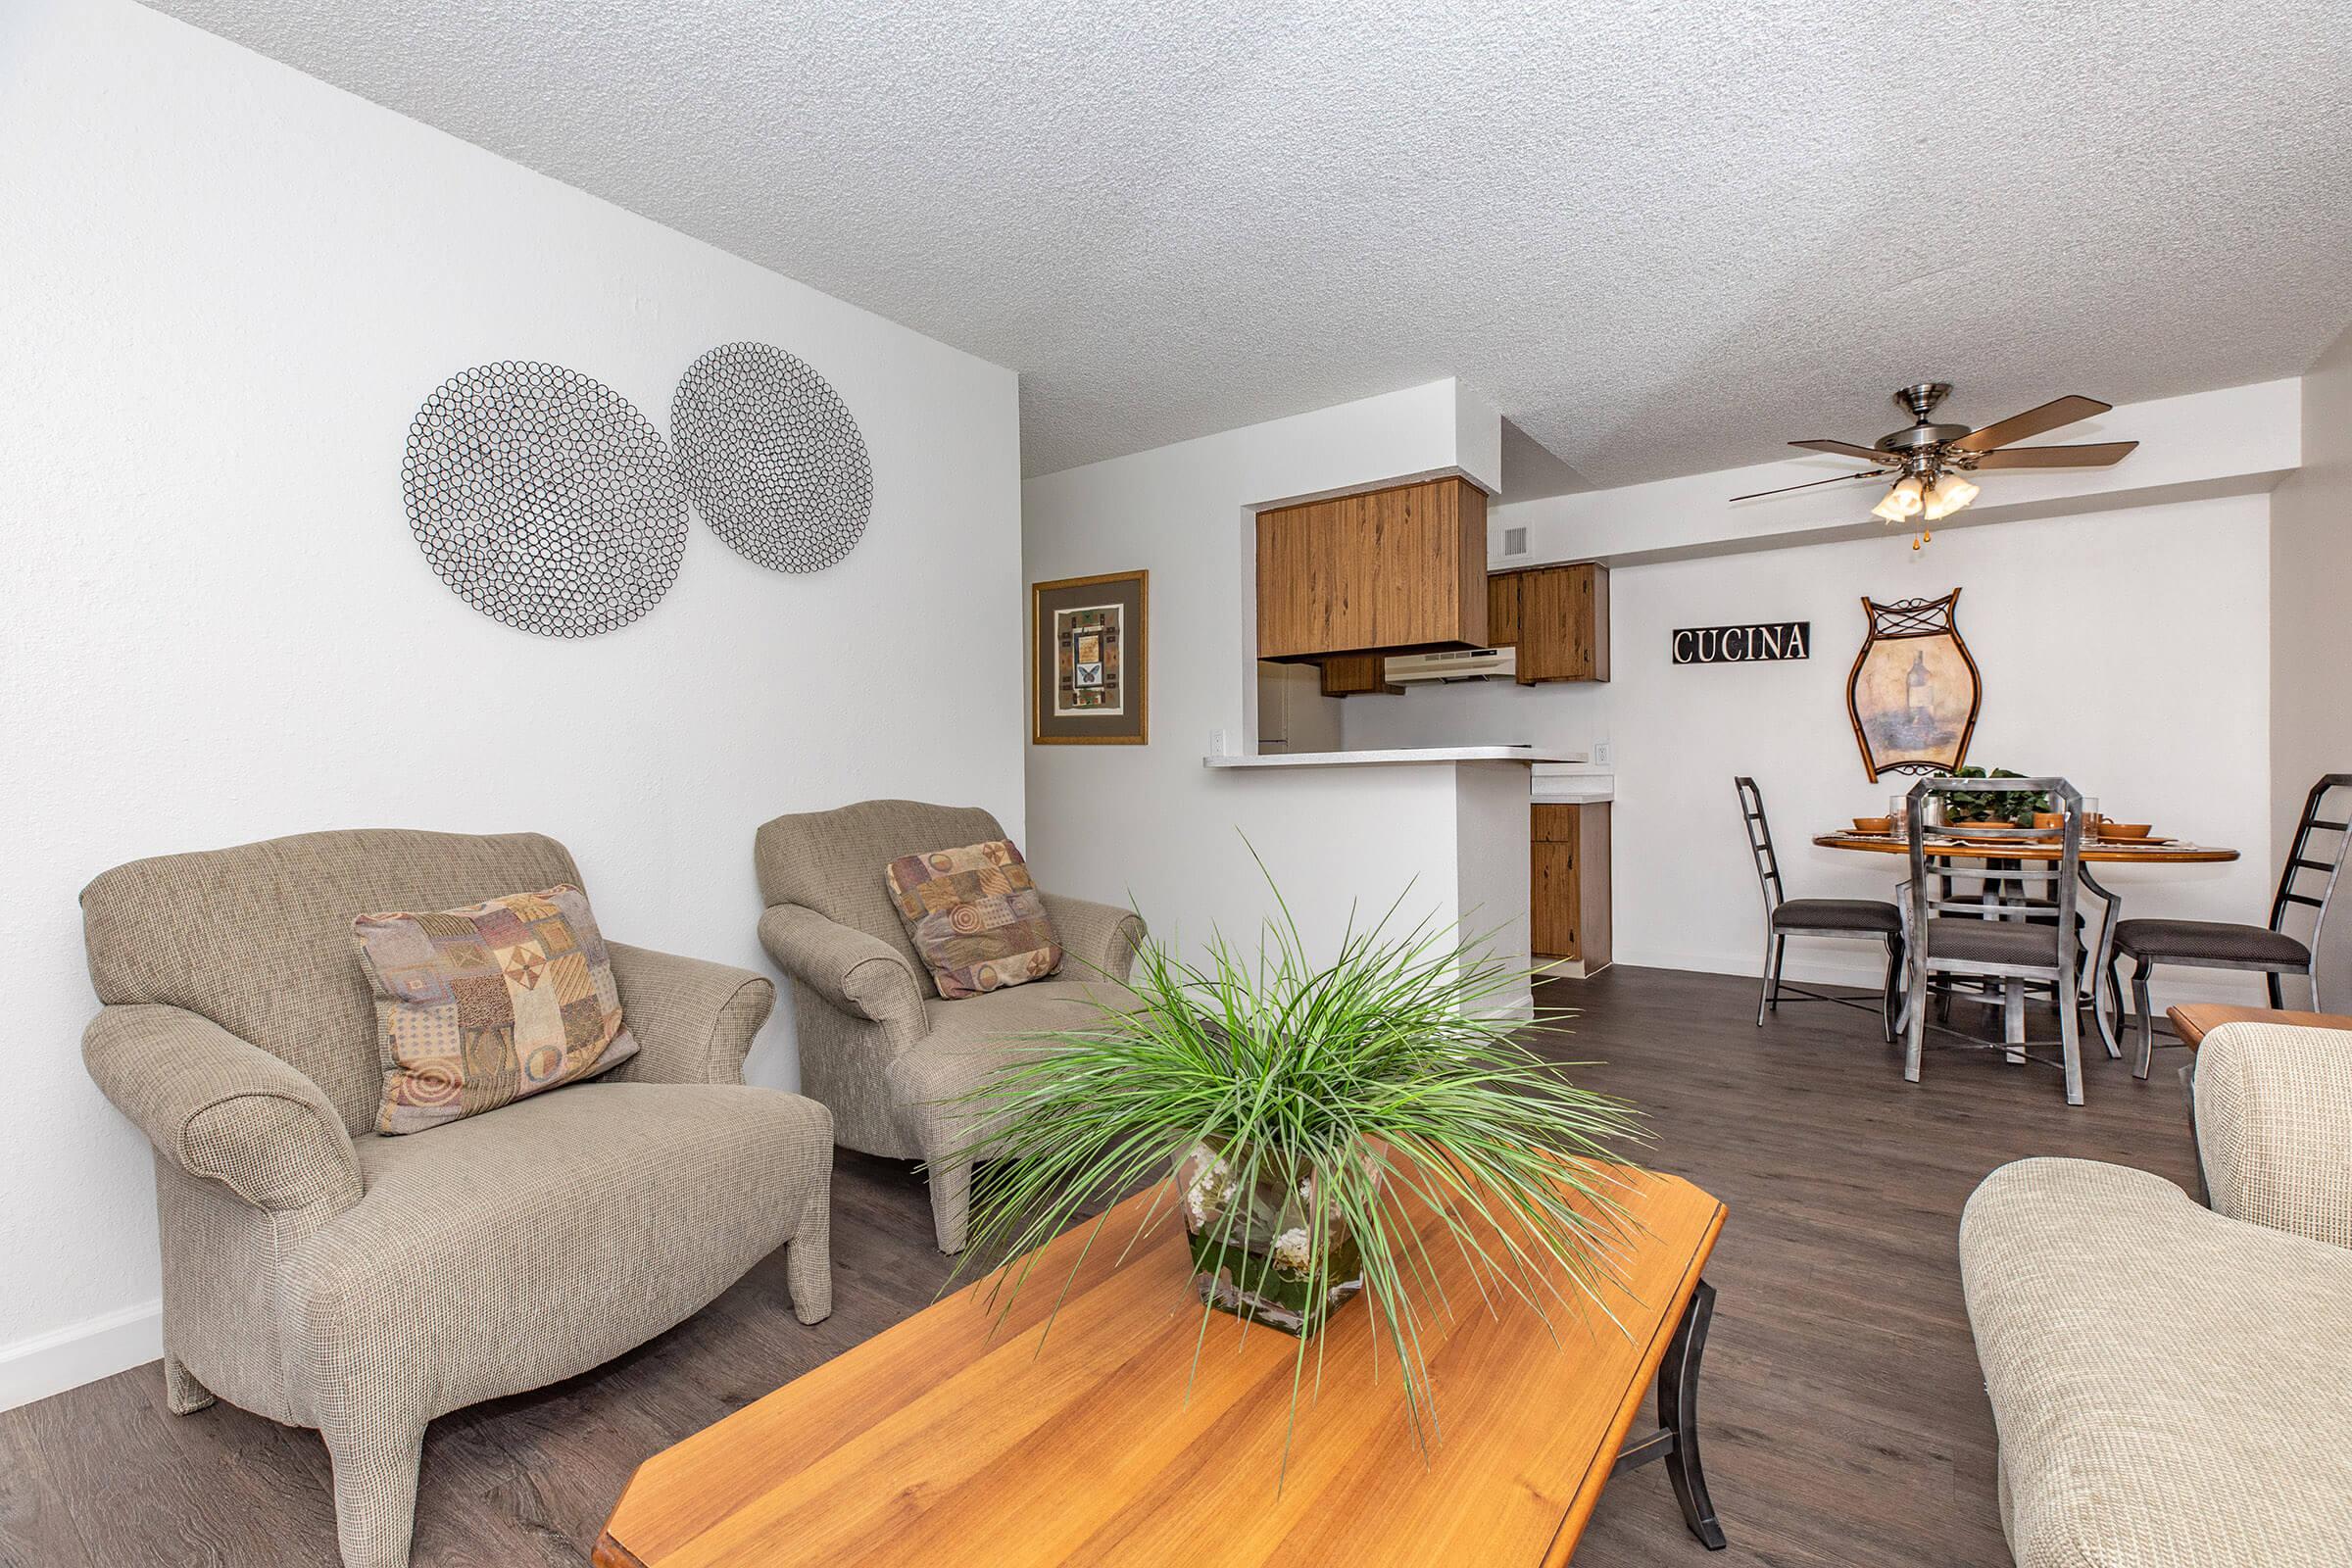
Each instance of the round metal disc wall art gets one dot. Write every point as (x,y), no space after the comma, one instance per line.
(544,499)
(771,456)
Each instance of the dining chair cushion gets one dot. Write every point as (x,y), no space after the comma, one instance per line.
(1971,941)
(1836,914)
(2219,941)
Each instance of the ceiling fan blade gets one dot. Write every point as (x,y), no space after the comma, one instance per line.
(1809,484)
(1845,449)
(2097,455)
(2050,417)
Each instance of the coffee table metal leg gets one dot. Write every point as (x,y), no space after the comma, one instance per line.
(1677,1439)
(1678,1414)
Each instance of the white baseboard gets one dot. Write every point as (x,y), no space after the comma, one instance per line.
(1852,963)
(1517,1005)
(1835,961)
(80,1353)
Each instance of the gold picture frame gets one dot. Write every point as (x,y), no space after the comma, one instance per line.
(1089,660)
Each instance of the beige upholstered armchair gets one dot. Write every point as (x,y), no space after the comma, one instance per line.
(878,1044)
(2161,1372)
(323,1275)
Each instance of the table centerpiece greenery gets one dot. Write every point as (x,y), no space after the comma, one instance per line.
(1301,1105)
(2003,806)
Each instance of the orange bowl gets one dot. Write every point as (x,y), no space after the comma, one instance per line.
(1874,824)
(2123,830)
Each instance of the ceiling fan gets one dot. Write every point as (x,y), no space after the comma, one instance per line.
(1934,460)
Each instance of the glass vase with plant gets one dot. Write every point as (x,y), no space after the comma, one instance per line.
(1325,1120)
(2004,807)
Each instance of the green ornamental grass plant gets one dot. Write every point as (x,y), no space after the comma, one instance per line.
(1321,1096)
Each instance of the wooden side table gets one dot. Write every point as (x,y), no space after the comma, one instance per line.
(2195,1021)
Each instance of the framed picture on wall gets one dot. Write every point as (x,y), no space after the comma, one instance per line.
(1089,660)
(1914,690)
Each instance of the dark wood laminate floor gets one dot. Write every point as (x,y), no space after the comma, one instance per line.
(1845,1417)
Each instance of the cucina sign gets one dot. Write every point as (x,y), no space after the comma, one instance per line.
(1761,642)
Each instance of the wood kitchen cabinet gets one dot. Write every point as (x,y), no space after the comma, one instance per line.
(1557,617)
(1395,570)
(1355,674)
(1569,885)
(1502,609)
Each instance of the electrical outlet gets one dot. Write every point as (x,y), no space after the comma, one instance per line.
(1216,743)
(1605,754)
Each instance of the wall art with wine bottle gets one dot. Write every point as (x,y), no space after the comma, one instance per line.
(1914,691)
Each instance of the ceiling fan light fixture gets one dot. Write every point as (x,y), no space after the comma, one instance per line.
(1901,502)
(1947,495)
(1935,459)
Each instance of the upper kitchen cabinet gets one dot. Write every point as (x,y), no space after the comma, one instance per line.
(1502,610)
(1354,674)
(1399,570)
(1557,617)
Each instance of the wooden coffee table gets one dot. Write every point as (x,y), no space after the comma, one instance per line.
(942,1441)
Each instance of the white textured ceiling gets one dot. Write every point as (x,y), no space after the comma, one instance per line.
(1663,237)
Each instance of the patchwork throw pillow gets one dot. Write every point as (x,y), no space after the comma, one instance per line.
(481,1005)
(975,917)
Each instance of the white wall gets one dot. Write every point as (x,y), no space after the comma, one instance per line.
(1150,823)
(2126,649)
(227,289)
(2311,627)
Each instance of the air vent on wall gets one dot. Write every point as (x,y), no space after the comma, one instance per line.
(1514,541)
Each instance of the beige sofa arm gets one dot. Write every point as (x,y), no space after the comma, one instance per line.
(693,1020)
(2275,1127)
(860,974)
(222,1109)
(1101,937)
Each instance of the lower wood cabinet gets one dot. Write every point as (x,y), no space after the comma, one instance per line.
(1569,884)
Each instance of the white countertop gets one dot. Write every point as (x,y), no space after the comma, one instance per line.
(1414,753)
(1576,784)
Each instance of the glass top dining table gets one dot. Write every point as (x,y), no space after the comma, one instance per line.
(1953,846)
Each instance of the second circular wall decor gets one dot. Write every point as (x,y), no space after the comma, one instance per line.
(771,456)
(544,499)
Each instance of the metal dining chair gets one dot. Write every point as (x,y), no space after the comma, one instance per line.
(2034,938)
(2224,945)
(1848,919)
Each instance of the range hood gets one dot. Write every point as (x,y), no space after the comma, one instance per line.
(1461,663)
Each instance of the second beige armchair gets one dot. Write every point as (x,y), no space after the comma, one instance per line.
(877,1042)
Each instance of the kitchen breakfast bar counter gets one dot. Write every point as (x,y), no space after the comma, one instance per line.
(1402,757)
(1459,812)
